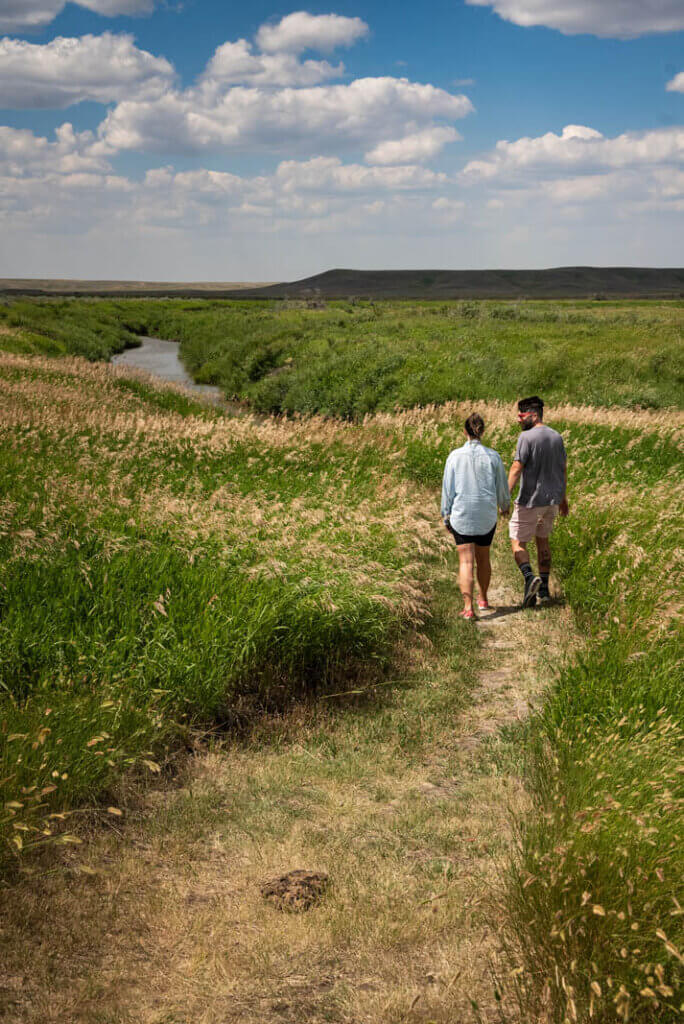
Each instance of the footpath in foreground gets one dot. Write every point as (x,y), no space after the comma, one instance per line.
(405,800)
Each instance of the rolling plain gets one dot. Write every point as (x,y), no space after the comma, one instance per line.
(229,647)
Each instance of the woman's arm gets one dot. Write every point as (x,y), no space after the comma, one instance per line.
(448,490)
(503,494)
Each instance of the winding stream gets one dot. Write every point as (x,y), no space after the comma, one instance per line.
(160,358)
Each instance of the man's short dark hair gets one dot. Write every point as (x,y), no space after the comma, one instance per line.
(532,404)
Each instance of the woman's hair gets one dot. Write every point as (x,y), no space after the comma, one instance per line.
(474,425)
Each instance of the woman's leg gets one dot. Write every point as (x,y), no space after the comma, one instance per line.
(465,574)
(484,570)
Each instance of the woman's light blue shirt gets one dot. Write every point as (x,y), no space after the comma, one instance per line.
(474,485)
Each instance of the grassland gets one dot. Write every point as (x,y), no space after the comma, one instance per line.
(351,359)
(595,894)
(162,565)
(403,796)
(160,568)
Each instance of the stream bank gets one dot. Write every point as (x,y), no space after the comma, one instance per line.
(161,359)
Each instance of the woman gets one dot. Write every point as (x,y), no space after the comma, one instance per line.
(474,485)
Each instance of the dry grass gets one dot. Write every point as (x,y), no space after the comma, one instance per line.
(503,415)
(160,920)
(405,800)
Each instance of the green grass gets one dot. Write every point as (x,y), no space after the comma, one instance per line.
(594,893)
(229,529)
(161,567)
(594,886)
(350,359)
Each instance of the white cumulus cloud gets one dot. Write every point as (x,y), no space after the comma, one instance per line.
(23,154)
(413,148)
(329,173)
(236,63)
(303,31)
(24,15)
(677,83)
(367,110)
(576,147)
(65,71)
(622,19)
(65,211)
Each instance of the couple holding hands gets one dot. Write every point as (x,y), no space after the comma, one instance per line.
(475,486)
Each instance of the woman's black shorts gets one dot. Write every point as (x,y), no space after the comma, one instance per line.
(482,540)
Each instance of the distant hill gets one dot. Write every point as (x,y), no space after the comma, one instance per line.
(558,283)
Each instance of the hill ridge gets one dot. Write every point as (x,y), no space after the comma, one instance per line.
(558,282)
(570,282)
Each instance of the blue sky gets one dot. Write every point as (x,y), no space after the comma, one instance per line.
(459,133)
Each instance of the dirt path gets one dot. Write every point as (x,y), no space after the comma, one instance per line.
(405,802)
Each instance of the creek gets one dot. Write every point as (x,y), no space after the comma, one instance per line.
(160,358)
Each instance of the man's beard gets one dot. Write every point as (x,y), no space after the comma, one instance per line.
(526,426)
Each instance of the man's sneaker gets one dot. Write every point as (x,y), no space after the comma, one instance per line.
(532,585)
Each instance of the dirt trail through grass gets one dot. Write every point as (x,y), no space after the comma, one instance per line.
(404,799)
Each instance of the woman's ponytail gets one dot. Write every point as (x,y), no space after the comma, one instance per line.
(474,426)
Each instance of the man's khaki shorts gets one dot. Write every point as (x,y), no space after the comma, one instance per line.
(527,523)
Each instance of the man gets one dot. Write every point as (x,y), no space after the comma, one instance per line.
(540,461)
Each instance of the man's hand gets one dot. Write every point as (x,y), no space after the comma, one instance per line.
(564,508)
(447,525)
(505,513)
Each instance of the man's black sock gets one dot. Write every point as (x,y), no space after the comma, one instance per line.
(526,570)
(544,589)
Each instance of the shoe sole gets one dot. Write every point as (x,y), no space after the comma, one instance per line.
(531,595)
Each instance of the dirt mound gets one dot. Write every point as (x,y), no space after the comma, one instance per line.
(296,891)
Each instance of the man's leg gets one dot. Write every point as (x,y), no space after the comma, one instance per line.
(545,525)
(465,574)
(521,530)
(484,570)
(532,582)
(520,551)
(544,559)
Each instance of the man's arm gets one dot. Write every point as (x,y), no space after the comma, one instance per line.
(563,507)
(514,474)
(519,460)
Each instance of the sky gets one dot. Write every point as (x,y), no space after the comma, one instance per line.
(204,140)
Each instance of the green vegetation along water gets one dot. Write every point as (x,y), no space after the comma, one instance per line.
(349,359)
(163,564)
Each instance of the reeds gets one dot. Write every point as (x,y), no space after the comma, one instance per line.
(162,567)
(596,890)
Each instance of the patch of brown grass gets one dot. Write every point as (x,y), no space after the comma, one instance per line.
(161,919)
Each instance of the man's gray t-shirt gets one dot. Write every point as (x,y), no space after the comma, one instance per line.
(542,454)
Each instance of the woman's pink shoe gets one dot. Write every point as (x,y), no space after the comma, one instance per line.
(467,613)
(483,605)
